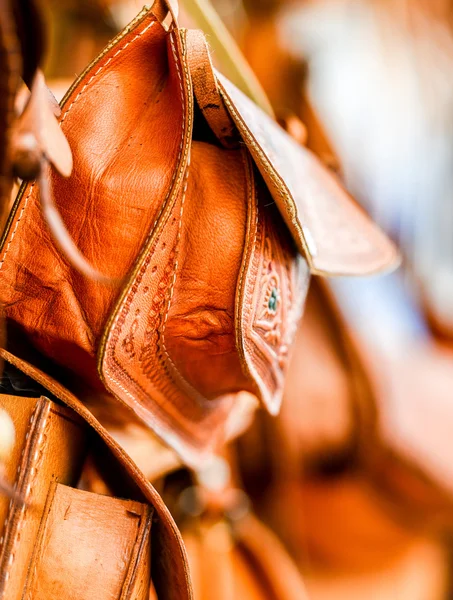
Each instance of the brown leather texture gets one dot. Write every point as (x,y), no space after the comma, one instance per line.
(243,561)
(91,547)
(169,567)
(189,228)
(212,284)
(49,446)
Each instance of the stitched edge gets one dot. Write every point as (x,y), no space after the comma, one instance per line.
(113,324)
(5,526)
(38,447)
(170,298)
(162,415)
(288,200)
(37,550)
(252,199)
(118,314)
(61,121)
(281,186)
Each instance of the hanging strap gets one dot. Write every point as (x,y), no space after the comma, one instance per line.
(206,90)
(226,50)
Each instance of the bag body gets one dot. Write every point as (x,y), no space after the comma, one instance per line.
(208,239)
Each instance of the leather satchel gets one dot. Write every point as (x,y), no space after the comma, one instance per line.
(203,219)
(83,523)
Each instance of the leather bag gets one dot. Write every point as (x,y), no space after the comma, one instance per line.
(113,538)
(204,219)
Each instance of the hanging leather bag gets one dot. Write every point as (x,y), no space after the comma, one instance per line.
(203,220)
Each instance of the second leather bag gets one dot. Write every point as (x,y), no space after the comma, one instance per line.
(207,218)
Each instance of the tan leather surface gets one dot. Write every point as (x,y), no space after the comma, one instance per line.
(90,547)
(187,222)
(64,311)
(244,562)
(49,446)
(169,562)
(333,233)
(165,356)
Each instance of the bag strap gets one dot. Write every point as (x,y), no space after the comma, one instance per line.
(166,12)
(206,90)
(226,50)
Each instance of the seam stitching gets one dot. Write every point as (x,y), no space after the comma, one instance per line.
(35,461)
(161,414)
(61,121)
(17,473)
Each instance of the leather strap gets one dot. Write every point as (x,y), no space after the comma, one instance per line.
(166,12)
(206,90)
(227,52)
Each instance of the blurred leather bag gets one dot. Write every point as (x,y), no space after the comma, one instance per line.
(208,214)
(245,560)
(113,538)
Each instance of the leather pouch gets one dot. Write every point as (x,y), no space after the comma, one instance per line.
(59,541)
(91,547)
(209,215)
(50,446)
(247,561)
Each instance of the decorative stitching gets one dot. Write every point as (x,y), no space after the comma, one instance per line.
(17,474)
(62,120)
(249,250)
(281,186)
(283,190)
(17,225)
(120,317)
(176,261)
(104,65)
(35,461)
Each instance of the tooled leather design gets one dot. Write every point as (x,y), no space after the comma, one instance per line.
(134,361)
(62,312)
(334,234)
(154,319)
(144,374)
(269,318)
(273,294)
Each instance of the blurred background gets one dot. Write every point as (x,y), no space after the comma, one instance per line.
(356,474)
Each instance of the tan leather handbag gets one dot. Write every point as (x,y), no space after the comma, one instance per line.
(203,219)
(346,444)
(83,522)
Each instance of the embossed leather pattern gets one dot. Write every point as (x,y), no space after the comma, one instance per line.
(331,231)
(212,283)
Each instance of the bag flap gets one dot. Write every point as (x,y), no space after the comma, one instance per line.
(329,228)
